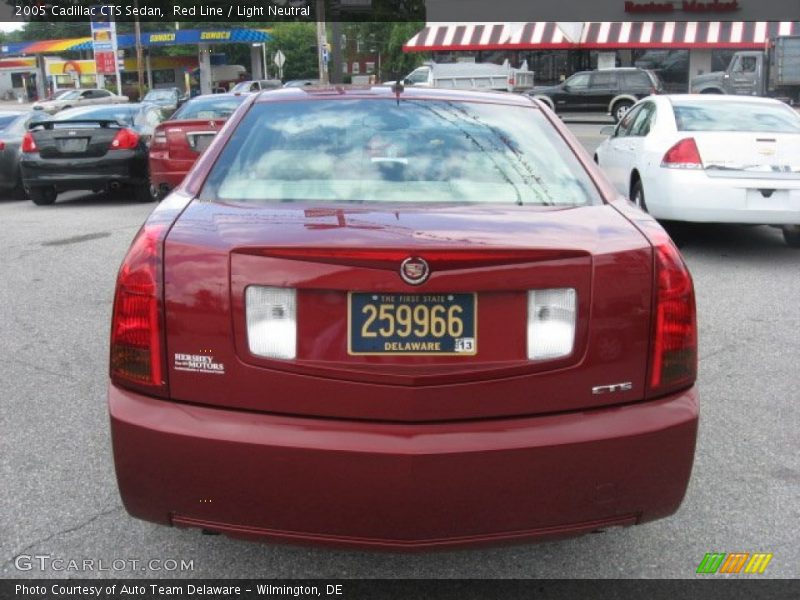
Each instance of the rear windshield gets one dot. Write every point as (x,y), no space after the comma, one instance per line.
(382,150)
(209,107)
(6,120)
(122,114)
(699,115)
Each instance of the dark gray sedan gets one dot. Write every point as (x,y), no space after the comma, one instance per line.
(13,125)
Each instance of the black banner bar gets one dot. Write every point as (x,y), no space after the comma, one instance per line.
(744,588)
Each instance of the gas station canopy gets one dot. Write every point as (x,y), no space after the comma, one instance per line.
(148,39)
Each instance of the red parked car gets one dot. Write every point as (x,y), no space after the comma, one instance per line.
(401,319)
(178,142)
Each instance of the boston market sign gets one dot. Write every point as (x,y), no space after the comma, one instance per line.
(690,6)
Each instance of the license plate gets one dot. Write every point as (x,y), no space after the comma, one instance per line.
(199,143)
(412,324)
(73,145)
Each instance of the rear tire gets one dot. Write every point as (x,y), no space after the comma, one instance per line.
(637,195)
(791,235)
(18,191)
(43,196)
(620,108)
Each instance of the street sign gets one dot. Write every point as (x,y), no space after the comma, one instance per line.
(280,59)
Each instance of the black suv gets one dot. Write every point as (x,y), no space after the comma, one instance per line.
(611,90)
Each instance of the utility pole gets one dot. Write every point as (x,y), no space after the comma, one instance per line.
(336,52)
(137,32)
(322,40)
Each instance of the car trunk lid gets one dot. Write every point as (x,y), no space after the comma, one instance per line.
(215,252)
(187,139)
(74,139)
(749,154)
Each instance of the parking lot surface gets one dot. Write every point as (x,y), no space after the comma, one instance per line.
(59,492)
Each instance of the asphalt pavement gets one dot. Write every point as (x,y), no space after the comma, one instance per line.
(59,494)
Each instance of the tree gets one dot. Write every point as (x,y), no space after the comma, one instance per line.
(298,43)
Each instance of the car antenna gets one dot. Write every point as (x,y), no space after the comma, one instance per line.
(398,87)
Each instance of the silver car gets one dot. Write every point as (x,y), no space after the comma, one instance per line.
(79,97)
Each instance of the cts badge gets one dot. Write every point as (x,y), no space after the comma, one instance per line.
(414,270)
(614,387)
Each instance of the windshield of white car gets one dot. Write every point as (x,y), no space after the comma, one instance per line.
(406,151)
(160,95)
(71,95)
(730,115)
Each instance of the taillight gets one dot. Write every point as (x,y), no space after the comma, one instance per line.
(137,326)
(159,138)
(683,155)
(126,139)
(673,362)
(28,143)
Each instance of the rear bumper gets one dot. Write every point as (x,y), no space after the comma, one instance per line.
(125,167)
(696,197)
(401,486)
(168,172)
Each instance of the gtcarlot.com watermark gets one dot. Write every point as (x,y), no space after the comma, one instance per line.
(48,562)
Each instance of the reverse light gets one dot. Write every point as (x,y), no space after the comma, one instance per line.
(137,326)
(683,155)
(126,139)
(551,323)
(271,321)
(673,362)
(159,138)
(28,143)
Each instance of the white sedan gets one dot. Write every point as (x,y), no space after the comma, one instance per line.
(709,158)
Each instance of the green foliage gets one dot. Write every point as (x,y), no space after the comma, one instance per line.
(298,43)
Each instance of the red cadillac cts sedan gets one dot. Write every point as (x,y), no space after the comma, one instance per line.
(177,142)
(401,319)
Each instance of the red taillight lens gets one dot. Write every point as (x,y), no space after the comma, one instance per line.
(126,139)
(137,358)
(28,143)
(683,155)
(674,348)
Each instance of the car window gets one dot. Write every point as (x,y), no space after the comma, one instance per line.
(577,82)
(603,80)
(418,75)
(643,120)
(209,107)
(379,150)
(87,94)
(701,115)
(625,125)
(72,95)
(748,64)
(636,79)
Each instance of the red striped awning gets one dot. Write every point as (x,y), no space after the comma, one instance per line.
(489,36)
(684,34)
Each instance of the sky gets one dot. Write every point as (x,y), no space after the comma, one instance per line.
(10,25)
